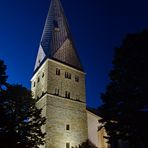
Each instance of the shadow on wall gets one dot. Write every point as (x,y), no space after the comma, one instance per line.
(86,144)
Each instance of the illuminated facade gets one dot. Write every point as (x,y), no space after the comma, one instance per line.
(59,83)
(96,131)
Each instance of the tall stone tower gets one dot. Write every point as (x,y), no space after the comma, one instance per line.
(59,83)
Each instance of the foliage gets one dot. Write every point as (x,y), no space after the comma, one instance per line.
(87,144)
(20,119)
(3,76)
(125,102)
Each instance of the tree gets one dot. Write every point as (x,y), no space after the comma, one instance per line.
(3,76)
(20,119)
(125,102)
(3,82)
(87,144)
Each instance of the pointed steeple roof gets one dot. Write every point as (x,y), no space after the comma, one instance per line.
(56,42)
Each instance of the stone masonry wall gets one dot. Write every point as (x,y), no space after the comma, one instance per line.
(60,110)
(76,89)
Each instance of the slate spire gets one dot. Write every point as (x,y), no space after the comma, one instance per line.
(56,42)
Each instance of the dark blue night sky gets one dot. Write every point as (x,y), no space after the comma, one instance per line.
(97,26)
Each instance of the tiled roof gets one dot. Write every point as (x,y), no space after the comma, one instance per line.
(56,42)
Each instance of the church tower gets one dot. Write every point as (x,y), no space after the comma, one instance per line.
(58,83)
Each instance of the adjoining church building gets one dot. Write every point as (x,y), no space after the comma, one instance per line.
(58,83)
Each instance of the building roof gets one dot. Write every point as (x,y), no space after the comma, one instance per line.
(95,111)
(56,42)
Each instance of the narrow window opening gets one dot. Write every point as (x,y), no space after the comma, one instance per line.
(56,25)
(67,127)
(58,72)
(57,92)
(67,75)
(34,84)
(76,78)
(38,79)
(67,94)
(67,145)
(43,75)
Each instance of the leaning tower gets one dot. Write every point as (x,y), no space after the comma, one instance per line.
(58,83)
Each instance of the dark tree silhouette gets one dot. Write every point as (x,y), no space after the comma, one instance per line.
(20,120)
(87,144)
(3,76)
(125,102)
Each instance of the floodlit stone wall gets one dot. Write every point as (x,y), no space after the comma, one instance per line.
(66,113)
(95,136)
(62,112)
(76,89)
(39,81)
